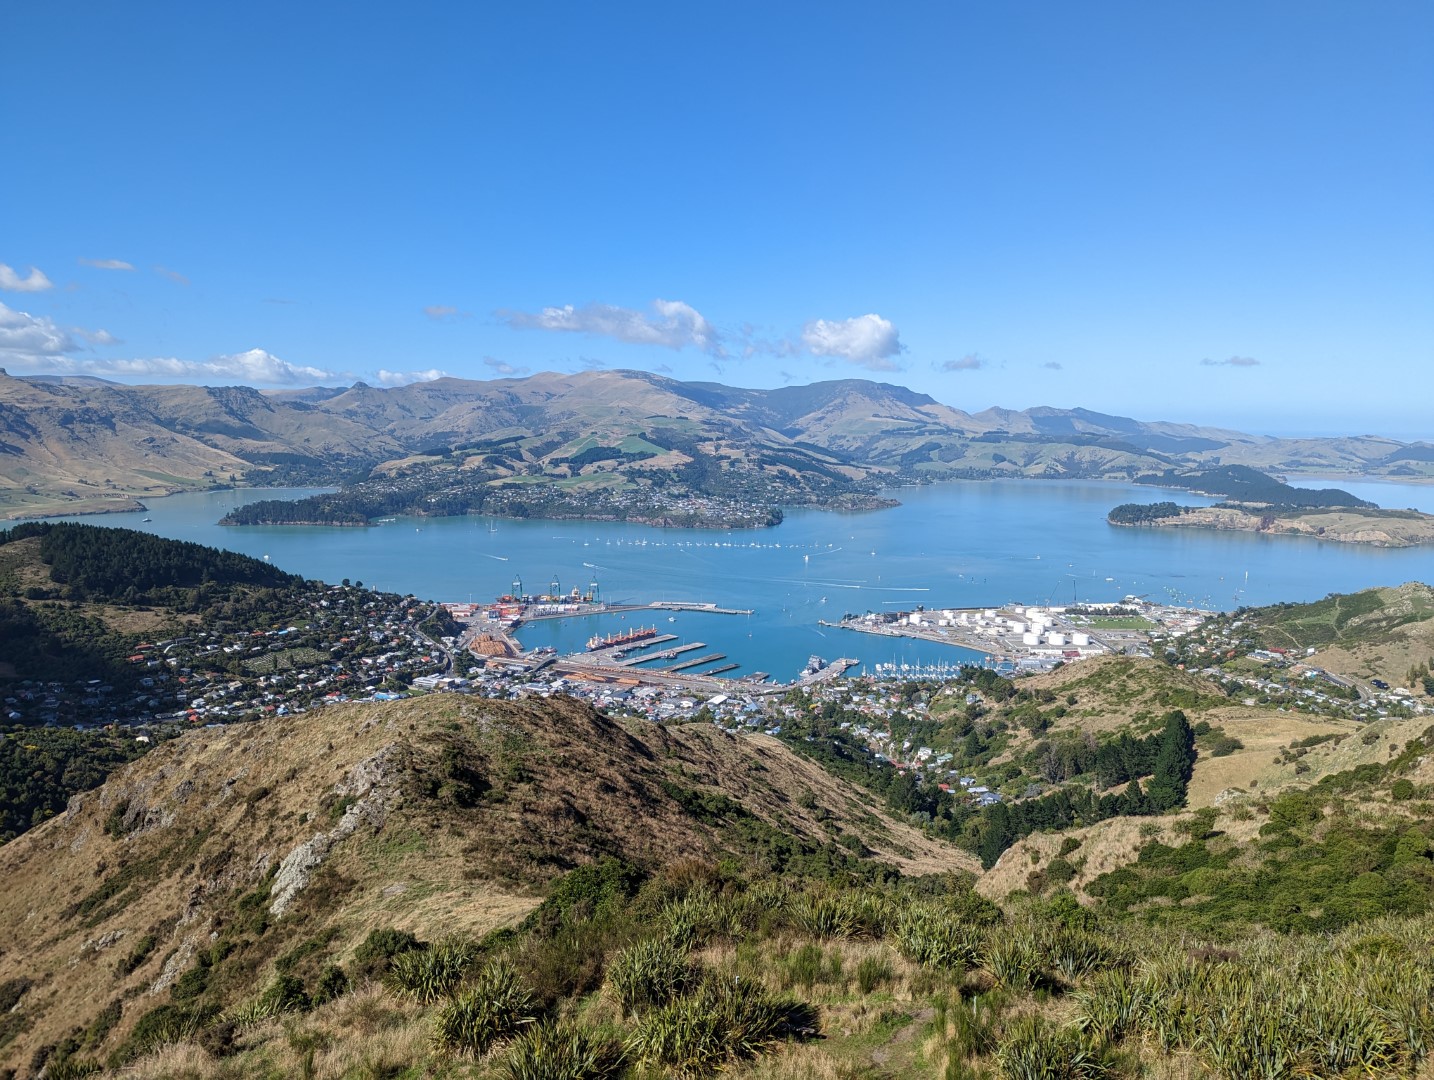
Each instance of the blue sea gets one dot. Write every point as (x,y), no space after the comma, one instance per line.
(947,545)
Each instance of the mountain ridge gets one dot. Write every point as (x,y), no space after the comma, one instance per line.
(79,446)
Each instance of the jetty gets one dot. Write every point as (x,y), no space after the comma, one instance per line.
(709,658)
(666,654)
(701,608)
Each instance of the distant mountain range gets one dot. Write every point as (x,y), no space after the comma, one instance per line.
(77,444)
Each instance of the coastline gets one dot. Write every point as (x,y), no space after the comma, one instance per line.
(1381,528)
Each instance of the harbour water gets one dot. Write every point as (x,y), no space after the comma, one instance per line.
(948,545)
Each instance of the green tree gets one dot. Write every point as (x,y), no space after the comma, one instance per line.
(1174,764)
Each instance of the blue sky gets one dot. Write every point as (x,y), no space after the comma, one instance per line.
(1217,212)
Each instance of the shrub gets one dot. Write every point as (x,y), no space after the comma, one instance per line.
(1033,1049)
(932,937)
(433,973)
(563,1051)
(373,958)
(495,1007)
(824,915)
(333,983)
(871,972)
(721,1021)
(649,974)
(1110,1005)
(138,955)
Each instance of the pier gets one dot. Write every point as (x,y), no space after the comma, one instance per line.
(720,669)
(633,646)
(700,608)
(665,654)
(709,658)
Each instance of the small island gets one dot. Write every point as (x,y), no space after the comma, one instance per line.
(1255,502)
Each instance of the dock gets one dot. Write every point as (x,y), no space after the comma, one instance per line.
(709,658)
(666,654)
(611,652)
(700,608)
(718,670)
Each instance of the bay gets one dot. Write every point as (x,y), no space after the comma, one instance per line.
(947,545)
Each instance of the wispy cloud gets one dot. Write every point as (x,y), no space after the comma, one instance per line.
(443,313)
(1234,361)
(173,275)
(404,378)
(867,340)
(106,264)
(969,362)
(34,281)
(281,301)
(1052,365)
(97,337)
(672,324)
(502,367)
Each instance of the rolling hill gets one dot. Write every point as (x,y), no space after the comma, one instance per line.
(86,445)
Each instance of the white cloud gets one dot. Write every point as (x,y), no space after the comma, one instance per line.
(867,340)
(35,281)
(31,339)
(502,367)
(673,324)
(969,362)
(107,264)
(173,275)
(404,378)
(252,367)
(1234,361)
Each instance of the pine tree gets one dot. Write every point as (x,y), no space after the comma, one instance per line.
(1174,764)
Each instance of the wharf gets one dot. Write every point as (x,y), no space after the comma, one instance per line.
(718,670)
(647,643)
(700,608)
(666,654)
(585,612)
(835,670)
(698,662)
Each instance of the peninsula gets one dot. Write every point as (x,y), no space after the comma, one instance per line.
(1346,525)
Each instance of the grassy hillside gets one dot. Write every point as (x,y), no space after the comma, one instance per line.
(458,887)
(455,886)
(189,875)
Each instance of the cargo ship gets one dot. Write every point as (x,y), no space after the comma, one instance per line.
(629,637)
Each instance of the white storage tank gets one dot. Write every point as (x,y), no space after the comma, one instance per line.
(1080,640)
(1017,626)
(1055,638)
(1030,637)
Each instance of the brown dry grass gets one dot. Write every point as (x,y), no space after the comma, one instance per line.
(218,807)
(1264,732)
